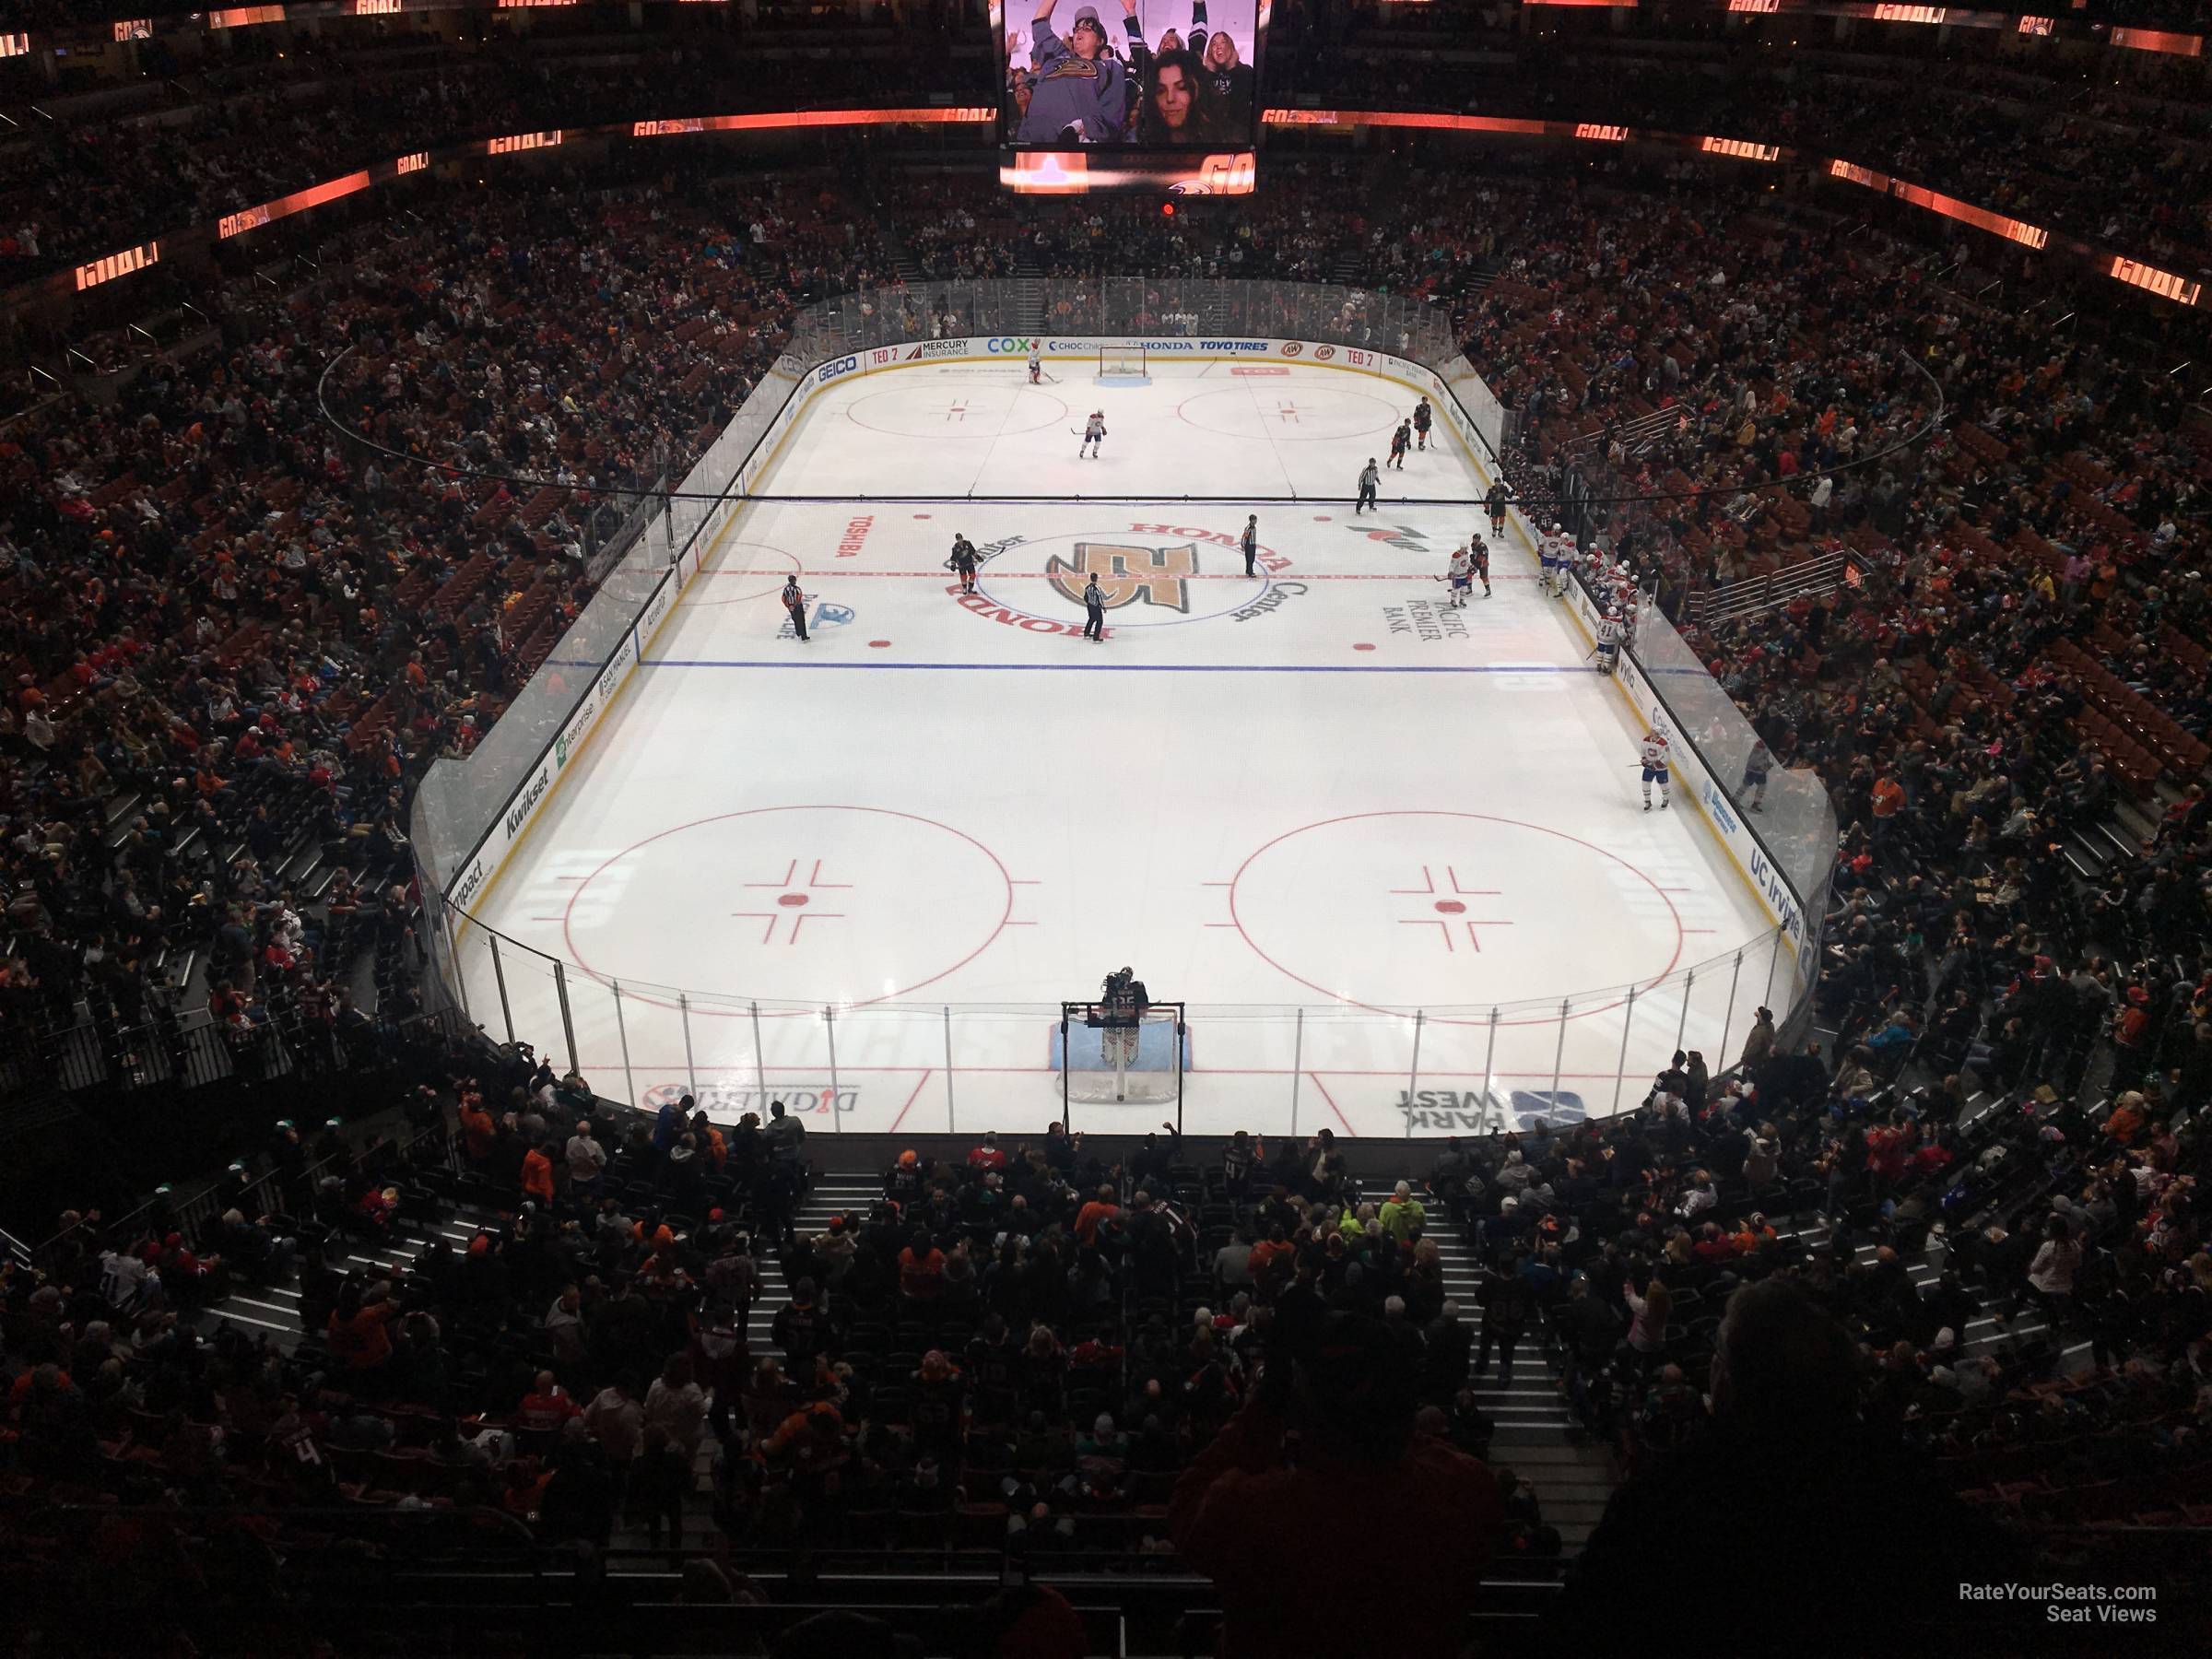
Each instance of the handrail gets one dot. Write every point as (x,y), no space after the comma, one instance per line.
(351,1515)
(188,1208)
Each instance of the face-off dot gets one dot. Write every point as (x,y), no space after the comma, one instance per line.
(1450,907)
(1363,647)
(793,901)
(879,644)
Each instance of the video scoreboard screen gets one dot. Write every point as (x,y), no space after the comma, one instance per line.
(1161,96)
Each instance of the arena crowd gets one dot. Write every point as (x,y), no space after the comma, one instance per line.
(1971,1219)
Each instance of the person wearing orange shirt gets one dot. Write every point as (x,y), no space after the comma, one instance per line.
(356,1330)
(1100,1209)
(921,1269)
(2127,1120)
(537,1175)
(1272,1259)
(479,1132)
(710,1140)
(1885,801)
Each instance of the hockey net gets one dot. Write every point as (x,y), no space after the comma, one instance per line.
(1111,1055)
(1122,362)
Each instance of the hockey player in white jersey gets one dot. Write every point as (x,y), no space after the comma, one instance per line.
(1564,555)
(1094,432)
(1036,367)
(1609,635)
(1550,556)
(1461,576)
(1655,768)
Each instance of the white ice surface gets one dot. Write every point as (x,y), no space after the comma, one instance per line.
(1319,787)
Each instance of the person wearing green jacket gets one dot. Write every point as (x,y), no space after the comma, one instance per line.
(1403,1216)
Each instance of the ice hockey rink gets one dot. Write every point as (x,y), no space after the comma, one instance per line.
(1372,841)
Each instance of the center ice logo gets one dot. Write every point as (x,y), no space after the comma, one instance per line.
(1126,575)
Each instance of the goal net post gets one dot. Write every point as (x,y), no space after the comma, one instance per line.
(1110,1055)
(1123,366)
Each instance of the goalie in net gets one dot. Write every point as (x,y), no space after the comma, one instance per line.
(1138,1055)
(1120,1016)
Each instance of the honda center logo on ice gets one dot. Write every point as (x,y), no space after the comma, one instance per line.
(1144,581)
(1126,575)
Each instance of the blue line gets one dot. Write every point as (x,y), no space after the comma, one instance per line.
(1126,667)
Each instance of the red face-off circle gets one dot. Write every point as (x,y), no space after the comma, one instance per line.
(846,905)
(1441,908)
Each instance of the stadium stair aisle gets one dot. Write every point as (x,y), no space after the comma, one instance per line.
(1987,1332)
(273,1310)
(829,1196)
(1537,1437)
